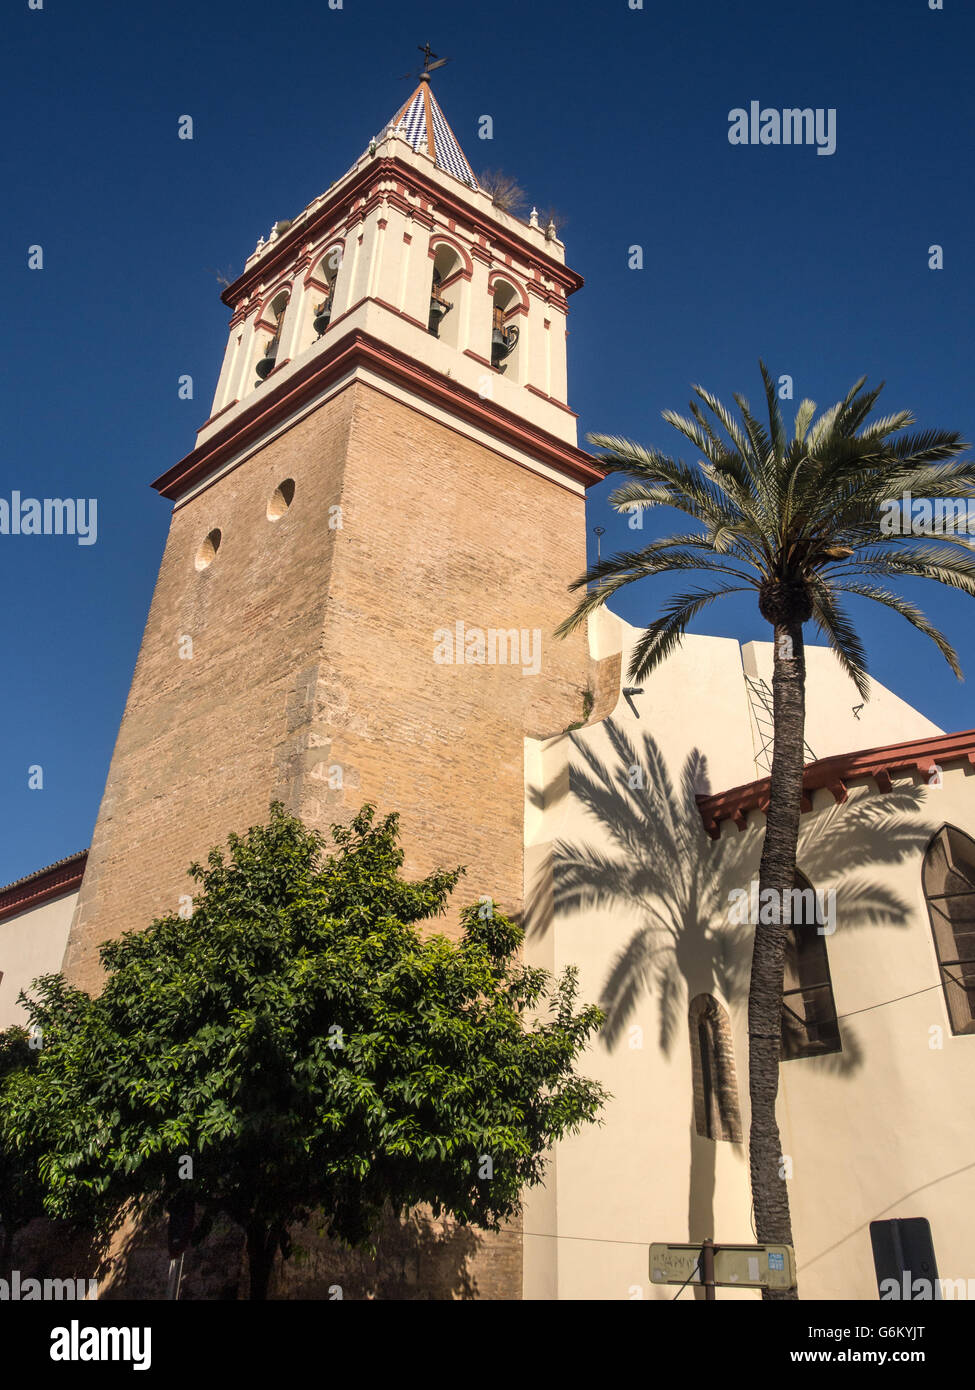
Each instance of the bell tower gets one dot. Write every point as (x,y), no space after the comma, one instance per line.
(370,547)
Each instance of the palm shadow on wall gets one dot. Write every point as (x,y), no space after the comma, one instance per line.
(664,868)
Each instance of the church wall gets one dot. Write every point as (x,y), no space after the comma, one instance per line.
(644,1175)
(888,1135)
(31,944)
(877,1131)
(836,718)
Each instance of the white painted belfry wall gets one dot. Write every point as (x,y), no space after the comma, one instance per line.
(624,883)
(383,288)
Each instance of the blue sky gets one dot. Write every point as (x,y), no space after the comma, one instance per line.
(619,117)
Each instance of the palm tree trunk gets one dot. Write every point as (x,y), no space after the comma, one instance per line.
(770,1195)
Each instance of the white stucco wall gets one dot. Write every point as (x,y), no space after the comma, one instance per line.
(882,1129)
(31,943)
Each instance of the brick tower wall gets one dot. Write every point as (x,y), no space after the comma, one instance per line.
(437,529)
(202,739)
(313,648)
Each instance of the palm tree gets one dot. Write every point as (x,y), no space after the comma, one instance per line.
(798,522)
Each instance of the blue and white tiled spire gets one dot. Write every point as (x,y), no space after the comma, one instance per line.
(422,123)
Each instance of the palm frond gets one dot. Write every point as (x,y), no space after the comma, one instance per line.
(690,490)
(704,439)
(841,635)
(804,418)
(887,424)
(857,407)
(776,425)
(948,567)
(616,571)
(663,636)
(930,446)
(912,613)
(822,427)
(722,414)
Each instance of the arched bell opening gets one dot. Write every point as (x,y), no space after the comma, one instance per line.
(268,359)
(445,289)
(322,303)
(505,333)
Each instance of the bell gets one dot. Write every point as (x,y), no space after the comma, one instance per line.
(323,312)
(503,341)
(438,308)
(266,365)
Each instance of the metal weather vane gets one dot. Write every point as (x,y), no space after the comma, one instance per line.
(430,62)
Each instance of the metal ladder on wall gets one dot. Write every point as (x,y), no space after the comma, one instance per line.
(760,698)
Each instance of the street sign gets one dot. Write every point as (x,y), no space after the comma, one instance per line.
(735,1266)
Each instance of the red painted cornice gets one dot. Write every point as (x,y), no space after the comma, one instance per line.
(53,882)
(286,249)
(920,754)
(358,349)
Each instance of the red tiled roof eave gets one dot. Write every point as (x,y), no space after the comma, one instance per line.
(833,773)
(55,881)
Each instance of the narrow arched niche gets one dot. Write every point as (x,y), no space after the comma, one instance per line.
(280,499)
(714,1078)
(206,554)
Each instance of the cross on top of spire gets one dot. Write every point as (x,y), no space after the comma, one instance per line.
(430,59)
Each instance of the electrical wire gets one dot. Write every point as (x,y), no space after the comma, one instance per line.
(696,1270)
(896,1000)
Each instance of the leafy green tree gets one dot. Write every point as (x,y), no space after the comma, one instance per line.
(295,1046)
(21,1195)
(796,521)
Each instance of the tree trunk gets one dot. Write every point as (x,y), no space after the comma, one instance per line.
(770,1195)
(261,1247)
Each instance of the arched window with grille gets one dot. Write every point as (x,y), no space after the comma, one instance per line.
(716,1110)
(809,1024)
(948,879)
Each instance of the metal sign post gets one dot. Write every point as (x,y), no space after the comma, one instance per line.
(724,1266)
(707,1270)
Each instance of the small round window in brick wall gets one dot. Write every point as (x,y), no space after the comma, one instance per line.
(281,499)
(206,554)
